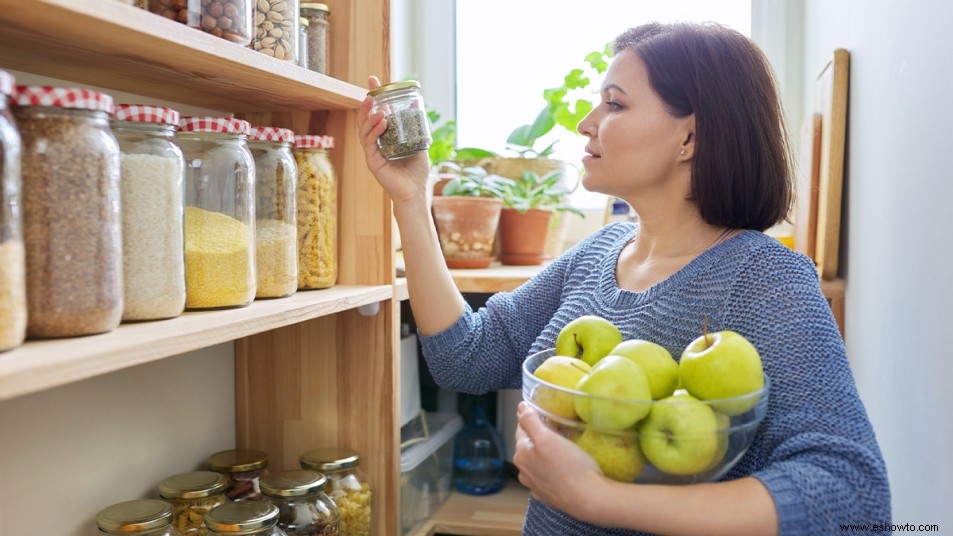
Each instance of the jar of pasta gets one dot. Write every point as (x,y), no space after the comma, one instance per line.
(318,39)
(276,29)
(347,486)
(12,261)
(276,253)
(228,19)
(317,212)
(152,172)
(144,517)
(248,518)
(193,495)
(242,469)
(72,225)
(303,507)
(219,212)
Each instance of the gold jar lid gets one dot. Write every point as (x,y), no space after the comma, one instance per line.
(238,461)
(315,5)
(329,460)
(243,517)
(139,515)
(292,483)
(394,86)
(192,485)
(304,22)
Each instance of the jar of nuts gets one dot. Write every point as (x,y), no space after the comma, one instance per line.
(303,507)
(276,29)
(347,486)
(12,261)
(72,225)
(242,469)
(318,35)
(317,212)
(228,19)
(152,517)
(408,129)
(193,495)
(248,518)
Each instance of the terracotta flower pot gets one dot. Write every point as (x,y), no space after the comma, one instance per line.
(523,236)
(466,227)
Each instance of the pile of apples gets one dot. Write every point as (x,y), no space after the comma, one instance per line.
(640,405)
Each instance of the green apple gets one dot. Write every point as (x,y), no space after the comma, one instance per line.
(618,456)
(620,394)
(679,436)
(657,363)
(563,371)
(589,338)
(722,365)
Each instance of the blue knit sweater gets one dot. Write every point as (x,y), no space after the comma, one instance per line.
(815,451)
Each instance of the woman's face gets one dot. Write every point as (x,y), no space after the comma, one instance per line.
(634,143)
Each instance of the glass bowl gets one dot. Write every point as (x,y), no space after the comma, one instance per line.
(677,442)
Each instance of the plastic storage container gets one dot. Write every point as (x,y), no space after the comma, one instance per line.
(408,129)
(145,517)
(317,212)
(318,28)
(242,469)
(426,470)
(151,185)
(228,19)
(347,486)
(276,29)
(276,252)
(72,226)
(303,507)
(248,518)
(219,212)
(12,255)
(193,495)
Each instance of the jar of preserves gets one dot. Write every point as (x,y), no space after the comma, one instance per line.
(303,42)
(145,517)
(347,486)
(248,518)
(408,129)
(72,226)
(242,469)
(12,255)
(151,188)
(303,507)
(317,212)
(318,39)
(193,495)
(219,212)
(276,253)
(276,29)
(228,19)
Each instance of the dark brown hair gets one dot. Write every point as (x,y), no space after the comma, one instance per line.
(742,175)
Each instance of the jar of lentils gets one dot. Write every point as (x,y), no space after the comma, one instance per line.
(193,495)
(318,35)
(145,517)
(347,486)
(219,212)
(248,518)
(72,224)
(317,212)
(408,129)
(303,507)
(12,255)
(242,469)
(276,29)
(228,19)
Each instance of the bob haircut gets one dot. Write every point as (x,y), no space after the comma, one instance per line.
(742,176)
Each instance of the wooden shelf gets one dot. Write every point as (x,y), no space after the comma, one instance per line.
(496,278)
(500,514)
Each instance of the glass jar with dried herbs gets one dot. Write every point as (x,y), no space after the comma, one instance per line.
(144,517)
(347,486)
(408,129)
(242,469)
(317,212)
(193,495)
(248,518)
(318,35)
(303,507)
(12,261)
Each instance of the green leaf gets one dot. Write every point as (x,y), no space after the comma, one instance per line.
(472,153)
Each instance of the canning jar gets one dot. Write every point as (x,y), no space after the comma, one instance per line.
(303,42)
(144,517)
(242,469)
(192,495)
(72,226)
(317,212)
(276,253)
(347,486)
(12,256)
(228,19)
(318,39)
(276,29)
(258,518)
(219,212)
(151,188)
(408,129)
(303,507)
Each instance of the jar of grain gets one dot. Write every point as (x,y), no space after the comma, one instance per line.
(248,518)
(317,212)
(193,495)
(228,19)
(347,486)
(219,212)
(318,38)
(71,214)
(276,29)
(276,253)
(303,507)
(408,129)
(12,256)
(151,185)
(303,42)
(144,517)
(242,469)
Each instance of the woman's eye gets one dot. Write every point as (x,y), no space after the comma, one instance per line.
(613,105)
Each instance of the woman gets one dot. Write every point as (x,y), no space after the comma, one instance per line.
(689,132)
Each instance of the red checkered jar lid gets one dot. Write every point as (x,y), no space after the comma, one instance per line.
(143,113)
(7,84)
(63,97)
(271,134)
(314,142)
(224,125)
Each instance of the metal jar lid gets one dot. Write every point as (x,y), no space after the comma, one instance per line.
(394,86)
(292,483)
(243,517)
(329,460)
(130,516)
(192,485)
(315,5)
(238,461)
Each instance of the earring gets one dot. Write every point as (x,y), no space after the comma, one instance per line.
(683,152)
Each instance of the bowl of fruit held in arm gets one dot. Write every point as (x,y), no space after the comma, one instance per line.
(643,416)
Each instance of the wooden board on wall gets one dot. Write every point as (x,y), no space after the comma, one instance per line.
(805,230)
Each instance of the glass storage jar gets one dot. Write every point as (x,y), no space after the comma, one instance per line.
(192,495)
(151,188)
(72,226)
(317,212)
(228,19)
(303,507)
(318,38)
(276,29)
(144,517)
(303,42)
(258,518)
(408,129)
(219,212)
(242,469)
(276,253)
(12,256)
(347,486)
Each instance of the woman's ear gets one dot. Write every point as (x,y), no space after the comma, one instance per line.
(687,147)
